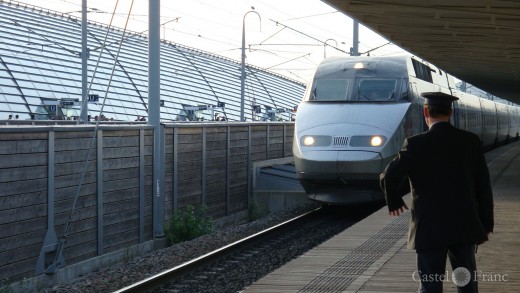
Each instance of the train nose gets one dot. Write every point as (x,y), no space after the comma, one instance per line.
(342,177)
(350,143)
(347,166)
(344,152)
(355,166)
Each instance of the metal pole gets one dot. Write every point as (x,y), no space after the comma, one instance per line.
(243,65)
(325,46)
(84,64)
(154,113)
(243,69)
(355,45)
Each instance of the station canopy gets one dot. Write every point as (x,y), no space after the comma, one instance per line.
(476,41)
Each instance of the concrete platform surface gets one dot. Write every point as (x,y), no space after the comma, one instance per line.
(371,256)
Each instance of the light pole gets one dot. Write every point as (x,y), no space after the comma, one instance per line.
(84,64)
(243,64)
(325,46)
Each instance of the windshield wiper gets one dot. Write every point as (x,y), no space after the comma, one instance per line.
(313,94)
(367,98)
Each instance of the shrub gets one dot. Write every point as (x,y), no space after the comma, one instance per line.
(256,212)
(5,287)
(188,225)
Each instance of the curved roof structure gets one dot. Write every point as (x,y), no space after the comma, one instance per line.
(477,41)
(40,74)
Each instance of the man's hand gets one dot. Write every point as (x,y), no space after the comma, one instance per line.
(399,211)
(481,242)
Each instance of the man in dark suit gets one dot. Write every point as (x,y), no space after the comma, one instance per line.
(452,202)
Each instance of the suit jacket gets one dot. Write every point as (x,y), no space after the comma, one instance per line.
(446,172)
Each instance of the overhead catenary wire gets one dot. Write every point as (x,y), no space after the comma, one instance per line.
(29,30)
(210,26)
(313,15)
(308,54)
(309,36)
(205,33)
(373,49)
(272,35)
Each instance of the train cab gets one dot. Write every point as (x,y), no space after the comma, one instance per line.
(350,124)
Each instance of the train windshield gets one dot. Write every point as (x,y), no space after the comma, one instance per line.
(354,89)
(331,90)
(377,89)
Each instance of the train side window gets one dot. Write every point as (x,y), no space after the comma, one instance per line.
(422,71)
(404,90)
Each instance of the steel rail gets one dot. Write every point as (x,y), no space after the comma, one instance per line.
(177,271)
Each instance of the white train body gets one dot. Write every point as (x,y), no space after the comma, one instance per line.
(357,112)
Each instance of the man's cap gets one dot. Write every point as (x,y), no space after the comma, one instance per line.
(438,98)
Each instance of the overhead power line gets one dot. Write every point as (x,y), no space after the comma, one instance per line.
(311,37)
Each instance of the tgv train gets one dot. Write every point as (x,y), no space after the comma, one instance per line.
(357,112)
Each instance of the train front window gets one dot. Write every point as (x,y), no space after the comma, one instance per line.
(360,89)
(377,90)
(330,90)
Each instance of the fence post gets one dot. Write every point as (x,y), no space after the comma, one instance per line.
(50,243)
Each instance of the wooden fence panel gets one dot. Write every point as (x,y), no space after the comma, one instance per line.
(148,183)
(275,142)
(189,148)
(238,173)
(216,172)
(212,169)
(121,152)
(23,201)
(169,145)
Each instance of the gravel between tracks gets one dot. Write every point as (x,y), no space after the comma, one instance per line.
(116,277)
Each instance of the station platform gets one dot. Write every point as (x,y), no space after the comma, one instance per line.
(371,256)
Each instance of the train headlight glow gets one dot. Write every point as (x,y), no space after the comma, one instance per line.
(376,141)
(309,140)
(367,141)
(316,140)
(359,65)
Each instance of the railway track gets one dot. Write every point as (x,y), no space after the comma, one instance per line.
(235,266)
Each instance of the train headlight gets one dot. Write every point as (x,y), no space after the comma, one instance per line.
(316,140)
(367,141)
(376,141)
(309,140)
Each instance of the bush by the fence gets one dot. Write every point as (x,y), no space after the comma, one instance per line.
(188,225)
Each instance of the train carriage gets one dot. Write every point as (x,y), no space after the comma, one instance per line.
(489,123)
(514,116)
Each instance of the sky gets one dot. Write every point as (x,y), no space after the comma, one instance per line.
(287,37)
